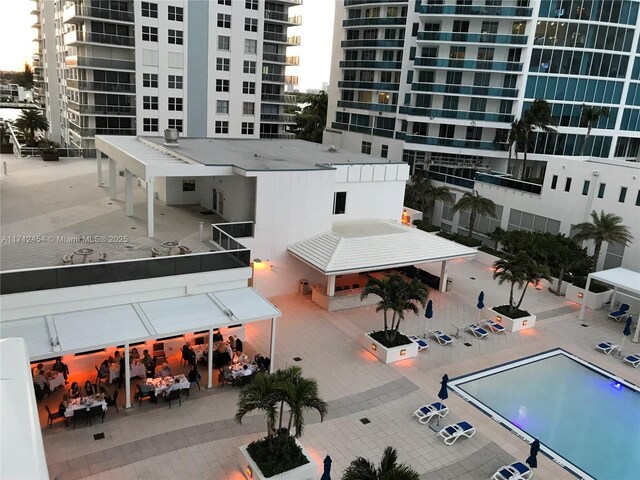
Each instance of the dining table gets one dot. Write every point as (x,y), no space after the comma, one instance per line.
(164,385)
(237,369)
(54,379)
(85,403)
(137,370)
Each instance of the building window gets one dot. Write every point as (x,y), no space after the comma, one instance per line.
(247,128)
(250,46)
(248,66)
(339,203)
(188,185)
(585,187)
(150,34)
(250,24)
(224,2)
(150,124)
(150,80)
(248,108)
(366,148)
(175,37)
(249,87)
(149,10)
(623,194)
(149,103)
(223,42)
(176,13)
(601,188)
(567,185)
(251,4)
(222,64)
(222,127)
(554,182)
(175,104)
(176,123)
(224,20)
(384,151)
(222,85)
(175,81)
(222,106)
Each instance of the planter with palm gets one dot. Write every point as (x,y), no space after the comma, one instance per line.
(590,117)
(605,227)
(29,122)
(422,195)
(476,205)
(389,468)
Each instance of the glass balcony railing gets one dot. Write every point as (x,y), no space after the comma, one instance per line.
(372,43)
(358,22)
(507,182)
(460,115)
(452,142)
(283,59)
(102,109)
(78,13)
(369,85)
(270,98)
(282,17)
(377,107)
(102,38)
(96,62)
(472,38)
(468,64)
(371,64)
(465,90)
(340,126)
(275,118)
(102,86)
(479,10)
(452,180)
(92,132)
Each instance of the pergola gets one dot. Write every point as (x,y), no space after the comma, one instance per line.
(86,330)
(619,278)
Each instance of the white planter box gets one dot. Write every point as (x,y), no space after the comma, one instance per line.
(554,283)
(308,471)
(389,355)
(511,324)
(594,300)
(485,258)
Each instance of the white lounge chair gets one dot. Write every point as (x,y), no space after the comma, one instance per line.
(422,345)
(515,471)
(495,327)
(620,313)
(477,330)
(427,412)
(452,432)
(633,360)
(442,338)
(607,347)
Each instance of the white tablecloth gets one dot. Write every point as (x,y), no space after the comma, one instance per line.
(76,405)
(55,382)
(168,384)
(237,369)
(200,350)
(137,370)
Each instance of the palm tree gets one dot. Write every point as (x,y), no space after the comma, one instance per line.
(566,255)
(606,227)
(389,469)
(29,122)
(518,269)
(260,395)
(538,117)
(301,394)
(312,119)
(590,117)
(475,204)
(397,295)
(422,195)
(515,139)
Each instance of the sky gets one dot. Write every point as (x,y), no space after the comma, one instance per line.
(16,39)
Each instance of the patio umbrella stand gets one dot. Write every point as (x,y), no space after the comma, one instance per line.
(443,394)
(428,313)
(626,332)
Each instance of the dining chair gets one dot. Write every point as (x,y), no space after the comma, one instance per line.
(158,351)
(54,416)
(79,415)
(95,411)
(174,395)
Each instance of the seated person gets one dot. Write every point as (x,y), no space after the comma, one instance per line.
(217,336)
(61,368)
(134,354)
(246,371)
(88,389)
(144,389)
(40,380)
(106,396)
(74,392)
(239,345)
(64,404)
(146,359)
(193,376)
(37,369)
(165,370)
(103,371)
(259,359)
(227,372)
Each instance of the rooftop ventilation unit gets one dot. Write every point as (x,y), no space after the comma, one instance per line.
(171,136)
(333,149)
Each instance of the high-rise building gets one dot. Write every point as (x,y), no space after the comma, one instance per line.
(213,69)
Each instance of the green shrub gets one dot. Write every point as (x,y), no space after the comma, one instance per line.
(595,286)
(273,460)
(460,239)
(516,313)
(425,226)
(398,341)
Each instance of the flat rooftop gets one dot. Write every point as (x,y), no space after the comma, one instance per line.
(261,155)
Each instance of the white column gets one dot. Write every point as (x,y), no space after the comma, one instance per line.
(444,274)
(127,376)
(112,179)
(99,164)
(272,350)
(331,285)
(150,207)
(128,193)
(210,359)
(613,299)
(584,298)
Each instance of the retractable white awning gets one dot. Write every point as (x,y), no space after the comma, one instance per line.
(35,333)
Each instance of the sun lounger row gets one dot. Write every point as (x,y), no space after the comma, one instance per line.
(608,347)
(450,433)
(620,313)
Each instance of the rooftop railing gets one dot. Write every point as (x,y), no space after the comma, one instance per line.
(508,182)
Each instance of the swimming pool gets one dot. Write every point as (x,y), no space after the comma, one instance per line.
(586,419)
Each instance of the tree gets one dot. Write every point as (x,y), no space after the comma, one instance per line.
(27,77)
(518,269)
(515,139)
(475,204)
(29,122)
(398,296)
(301,394)
(422,195)
(538,117)
(260,395)
(566,254)
(606,227)
(590,117)
(312,119)
(389,469)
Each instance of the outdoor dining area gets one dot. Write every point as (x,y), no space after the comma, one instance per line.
(166,249)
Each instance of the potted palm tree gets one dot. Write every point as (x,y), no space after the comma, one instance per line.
(397,296)
(476,205)
(363,469)
(29,122)
(279,456)
(49,150)
(518,269)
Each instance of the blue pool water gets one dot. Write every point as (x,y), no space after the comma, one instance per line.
(573,410)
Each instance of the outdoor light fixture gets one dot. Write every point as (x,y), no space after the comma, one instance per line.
(498,318)
(403,352)
(524,322)
(580,295)
(249,472)
(616,385)
(374,347)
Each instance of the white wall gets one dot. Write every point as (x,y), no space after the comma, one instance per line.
(239,196)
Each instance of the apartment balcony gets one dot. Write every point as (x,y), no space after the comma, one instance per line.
(279,78)
(78,37)
(369,85)
(101,109)
(102,86)
(379,132)
(281,38)
(452,180)
(95,62)
(288,2)
(451,37)
(453,142)
(510,183)
(457,114)
(465,90)
(80,13)
(92,132)
(277,118)
(351,3)
(367,21)
(282,17)
(281,59)
(476,10)
(452,63)
(370,65)
(372,43)
(376,107)
(279,136)
(283,99)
